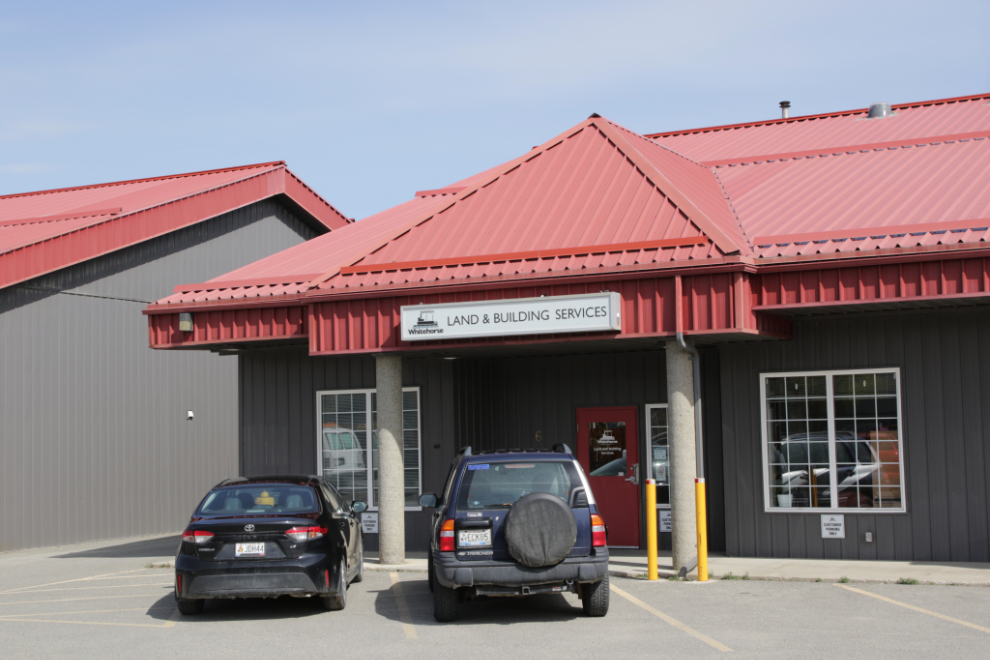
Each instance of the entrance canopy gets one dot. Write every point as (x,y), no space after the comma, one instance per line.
(717,242)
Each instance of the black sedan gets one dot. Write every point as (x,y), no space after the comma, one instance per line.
(263,537)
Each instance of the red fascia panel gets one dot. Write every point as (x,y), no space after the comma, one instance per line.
(710,303)
(894,282)
(229,326)
(872,232)
(117,232)
(64,216)
(825,115)
(521,256)
(233,284)
(876,146)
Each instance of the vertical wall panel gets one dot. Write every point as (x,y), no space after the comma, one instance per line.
(93,429)
(944,357)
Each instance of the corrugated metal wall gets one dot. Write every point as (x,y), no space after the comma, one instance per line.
(93,431)
(944,358)
(278,416)
(505,402)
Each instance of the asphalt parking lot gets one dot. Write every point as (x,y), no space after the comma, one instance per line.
(111,601)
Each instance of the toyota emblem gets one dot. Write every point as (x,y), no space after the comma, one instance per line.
(248,528)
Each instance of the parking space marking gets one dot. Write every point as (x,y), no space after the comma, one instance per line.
(92,577)
(915,608)
(400,599)
(672,621)
(169,623)
(4,617)
(70,600)
(113,586)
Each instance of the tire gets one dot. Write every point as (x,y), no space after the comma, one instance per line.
(190,606)
(594,598)
(430,580)
(540,530)
(339,601)
(444,603)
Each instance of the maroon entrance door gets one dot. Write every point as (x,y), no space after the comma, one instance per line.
(608,449)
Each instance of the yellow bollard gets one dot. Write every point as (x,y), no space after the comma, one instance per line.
(702,514)
(651,527)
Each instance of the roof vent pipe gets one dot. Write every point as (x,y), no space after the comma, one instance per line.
(785,109)
(879,110)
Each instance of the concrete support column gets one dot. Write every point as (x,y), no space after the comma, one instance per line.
(683,464)
(391,497)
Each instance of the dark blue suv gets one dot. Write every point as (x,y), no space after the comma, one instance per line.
(514,523)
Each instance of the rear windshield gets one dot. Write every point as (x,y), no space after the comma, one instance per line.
(259,498)
(493,485)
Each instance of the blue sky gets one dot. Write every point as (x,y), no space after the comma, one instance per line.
(369,102)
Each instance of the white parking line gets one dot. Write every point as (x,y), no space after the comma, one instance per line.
(71,600)
(915,608)
(407,627)
(671,620)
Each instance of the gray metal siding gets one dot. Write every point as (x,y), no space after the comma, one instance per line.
(278,416)
(505,402)
(485,403)
(94,443)
(944,358)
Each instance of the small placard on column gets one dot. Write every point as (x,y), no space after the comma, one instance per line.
(369,523)
(833,526)
(665,525)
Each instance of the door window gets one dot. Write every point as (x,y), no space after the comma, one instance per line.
(607,449)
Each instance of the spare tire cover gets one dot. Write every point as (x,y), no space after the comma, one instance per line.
(540,530)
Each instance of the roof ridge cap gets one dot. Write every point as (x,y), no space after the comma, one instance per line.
(690,210)
(825,115)
(108,184)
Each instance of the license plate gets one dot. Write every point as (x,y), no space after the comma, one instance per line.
(473,538)
(249,550)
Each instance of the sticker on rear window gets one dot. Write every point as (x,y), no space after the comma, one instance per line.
(478,466)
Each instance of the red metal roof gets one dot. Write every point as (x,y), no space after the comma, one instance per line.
(44,231)
(865,199)
(601,199)
(830,131)
(593,197)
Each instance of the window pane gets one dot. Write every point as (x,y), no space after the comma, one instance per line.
(866,407)
(864,384)
(775,388)
(842,386)
(886,406)
(817,409)
(607,449)
(776,410)
(844,408)
(797,409)
(410,401)
(886,384)
(795,387)
(816,386)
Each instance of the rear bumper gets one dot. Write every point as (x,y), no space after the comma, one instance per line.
(305,576)
(451,572)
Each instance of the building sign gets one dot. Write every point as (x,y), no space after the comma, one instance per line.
(833,526)
(665,524)
(369,523)
(591,312)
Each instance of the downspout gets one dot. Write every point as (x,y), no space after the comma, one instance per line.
(699,482)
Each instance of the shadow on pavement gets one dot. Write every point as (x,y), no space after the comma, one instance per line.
(484,610)
(159,547)
(241,609)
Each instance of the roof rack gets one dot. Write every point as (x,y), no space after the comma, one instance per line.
(464,451)
(562,448)
(230,481)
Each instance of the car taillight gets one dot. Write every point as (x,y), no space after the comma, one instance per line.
(198,536)
(306,533)
(597,530)
(447,536)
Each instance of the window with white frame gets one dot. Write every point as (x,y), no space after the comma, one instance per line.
(656,422)
(348,457)
(832,441)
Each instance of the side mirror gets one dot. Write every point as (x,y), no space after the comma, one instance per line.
(359,507)
(429,500)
